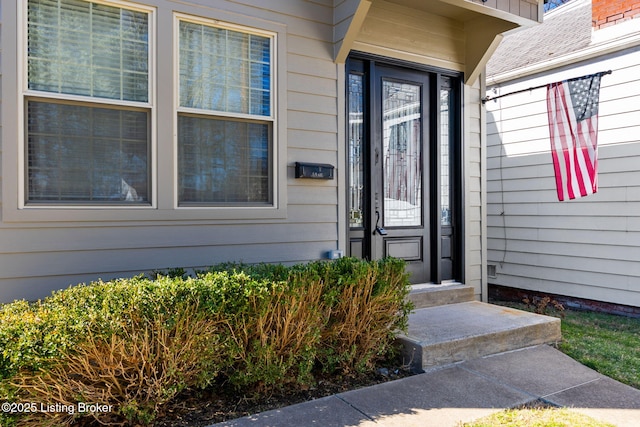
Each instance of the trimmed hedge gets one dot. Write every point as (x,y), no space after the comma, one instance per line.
(136,343)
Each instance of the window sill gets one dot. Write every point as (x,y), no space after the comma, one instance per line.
(102,214)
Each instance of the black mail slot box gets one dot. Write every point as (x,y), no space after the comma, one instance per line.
(314,170)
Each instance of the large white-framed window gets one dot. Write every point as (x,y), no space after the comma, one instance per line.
(94,128)
(226,118)
(87,103)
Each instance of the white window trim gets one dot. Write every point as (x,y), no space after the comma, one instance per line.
(163,209)
(25,93)
(272,118)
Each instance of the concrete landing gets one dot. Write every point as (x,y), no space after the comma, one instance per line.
(463,331)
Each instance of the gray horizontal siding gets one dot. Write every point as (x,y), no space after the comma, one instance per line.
(1,122)
(36,258)
(588,248)
(73,239)
(59,269)
(59,263)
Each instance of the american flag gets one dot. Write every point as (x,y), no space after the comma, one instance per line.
(572,106)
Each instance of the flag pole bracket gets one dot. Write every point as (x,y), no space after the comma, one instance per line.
(493,98)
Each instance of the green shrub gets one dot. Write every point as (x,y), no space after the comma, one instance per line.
(368,306)
(135,343)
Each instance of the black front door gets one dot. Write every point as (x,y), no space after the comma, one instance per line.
(394,174)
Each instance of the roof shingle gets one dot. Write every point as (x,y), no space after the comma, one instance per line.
(564,30)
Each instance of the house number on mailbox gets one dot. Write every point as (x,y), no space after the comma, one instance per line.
(314,170)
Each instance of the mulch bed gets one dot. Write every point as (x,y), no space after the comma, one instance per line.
(203,408)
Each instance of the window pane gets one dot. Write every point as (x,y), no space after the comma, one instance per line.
(81,48)
(445,155)
(223,161)
(224,70)
(402,148)
(78,153)
(356,151)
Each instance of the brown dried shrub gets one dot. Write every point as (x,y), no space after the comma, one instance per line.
(136,372)
(135,343)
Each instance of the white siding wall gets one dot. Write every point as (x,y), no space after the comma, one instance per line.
(36,257)
(475,187)
(587,248)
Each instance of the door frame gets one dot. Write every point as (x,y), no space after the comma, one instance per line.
(367,65)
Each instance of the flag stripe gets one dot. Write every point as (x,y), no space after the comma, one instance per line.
(573,142)
(552,102)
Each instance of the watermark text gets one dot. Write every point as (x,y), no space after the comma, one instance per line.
(76,408)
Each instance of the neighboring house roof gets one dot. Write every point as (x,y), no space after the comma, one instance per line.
(566,29)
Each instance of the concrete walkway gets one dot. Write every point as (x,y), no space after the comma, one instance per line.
(463,392)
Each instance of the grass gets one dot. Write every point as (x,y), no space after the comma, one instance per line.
(606,343)
(550,417)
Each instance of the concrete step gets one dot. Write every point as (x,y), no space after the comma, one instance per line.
(457,332)
(428,295)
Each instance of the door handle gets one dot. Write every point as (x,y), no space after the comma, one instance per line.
(381,231)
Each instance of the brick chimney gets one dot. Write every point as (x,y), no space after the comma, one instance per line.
(605,13)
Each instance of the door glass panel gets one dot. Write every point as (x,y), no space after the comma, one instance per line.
(356,163)
(445,138)
(402,170)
